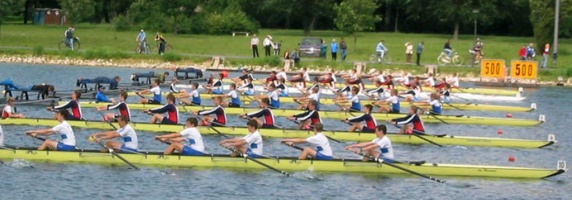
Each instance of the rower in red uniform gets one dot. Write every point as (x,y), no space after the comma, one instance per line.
(412,118)
(354,79)
(442,84)
(73,104)
(368,119)
(389,82)
(170,108)
(220,115)
(265,113)
(301,77)
(271,79)
(329,79)
(308,118)
(216,87)
(8,111)
(121,105)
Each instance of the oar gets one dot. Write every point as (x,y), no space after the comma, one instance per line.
(108,122)
(294,146)
(455,107)
(430,113)
(330,138)
(380,161)
(258,162)
(418,134)
(214,129)
(119,156)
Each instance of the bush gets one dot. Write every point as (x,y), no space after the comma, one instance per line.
(104,54)
(122,23)
(172,57)
(568,72)
(69,53)
(38,50)
(273,61)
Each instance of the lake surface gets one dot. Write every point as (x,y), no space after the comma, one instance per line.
(21,179)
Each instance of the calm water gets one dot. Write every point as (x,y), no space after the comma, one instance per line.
(25,180)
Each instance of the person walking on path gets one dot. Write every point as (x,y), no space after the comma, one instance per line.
(254,46)
(545,54)
(69,36)
(267,45)
(420,48)
(334,47)
(408,51)
(344,48)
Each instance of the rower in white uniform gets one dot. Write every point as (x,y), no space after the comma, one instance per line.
(273,95)
(125,132)
(155,90)
(63,130)
(435,103)
(322,150)
(249,145)
(234,96)
(384,105)
(353,98)
(194,95)
(191,134)
(453,81)
(8,111)
(381,142)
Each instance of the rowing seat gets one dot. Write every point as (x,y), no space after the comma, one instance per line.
(198,73)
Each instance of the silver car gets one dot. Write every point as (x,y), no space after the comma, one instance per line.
(310,47)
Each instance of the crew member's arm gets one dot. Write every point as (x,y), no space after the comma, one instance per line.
(163,109)
(302,116)
(357,119)
(256,114)
(107,135)
(293,141)
(404,120)
(65,106)
(207,112)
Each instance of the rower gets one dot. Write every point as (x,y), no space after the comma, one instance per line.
(381,142)
(155,90)
(271,78)
(100,96)
(376,93)
(442,84)
(412,94)
(446,93)
(404,79)
(220,115)
(64,130)
(121,105)
(329,80)
(308,118)
(435,103)
(170,108)
(272,95)
(412,118)
(8,111)
(250,145)
(282,87)
(113,82)
(190,134)
(130,143)
(453,80)
(216,87)
(301,77)
(194,95)
(266,112)
(247,88)
(377,76)
(368,119)
(323,151)
(354,79)
(353,98)
(242,79)
(73,104)
(393,100)
(389,82)
(173,86)
(430,81)
(234,96)
(282,74)
(315,96)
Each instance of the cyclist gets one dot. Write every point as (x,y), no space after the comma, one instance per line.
(477,50)
(162,43)
(142,39)
(448,49)
(380,49)
(69,37)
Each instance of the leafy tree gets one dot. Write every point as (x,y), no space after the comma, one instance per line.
(542,18)
(78,10)
(355,16)
(9,7)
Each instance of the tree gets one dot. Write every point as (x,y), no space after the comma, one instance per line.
(9,7)
(78,10)
(355,16)
(542,18)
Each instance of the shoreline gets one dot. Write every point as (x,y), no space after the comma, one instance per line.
(154,64)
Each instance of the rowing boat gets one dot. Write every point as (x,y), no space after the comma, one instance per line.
(283,163)
(452,119)
(485,91)
(286,133)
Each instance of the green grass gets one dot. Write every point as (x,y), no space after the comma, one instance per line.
(102,41)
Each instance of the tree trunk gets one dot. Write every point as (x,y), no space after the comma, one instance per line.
(175,25)
(27,11)
(106,11)
(387,15)
(396,19)
(456,31)
(310,26)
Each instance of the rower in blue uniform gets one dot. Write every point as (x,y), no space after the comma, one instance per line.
(282,87)
(303,101)
(191,134)
(155,90)
(435,103)
(353,98)
(376,93)
(234,96)
(250,145)
(216,87)
(63,130)
(393,100)
(368,119)
(322,151)
(247,88)
(272,95)
(194,95)
(381,143)
(126,132)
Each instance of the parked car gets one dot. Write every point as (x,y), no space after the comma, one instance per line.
(310,47)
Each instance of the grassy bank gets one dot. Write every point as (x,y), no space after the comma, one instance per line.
(101,41)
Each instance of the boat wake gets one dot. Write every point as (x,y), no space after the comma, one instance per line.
(307,175)
(19,163)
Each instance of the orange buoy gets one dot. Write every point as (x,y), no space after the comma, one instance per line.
(511,159)
(225,74)
(499,132)
(508,115)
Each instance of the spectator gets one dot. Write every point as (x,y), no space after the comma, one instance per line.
(162,43)
(420,48)
(254,46)
(267,45)
(287,54)
(334,47)
(545,54)
(380,49)
(69,36)
(530,52)
(448,49)
(408,51)
(344,48)
(294,56)
(522,53)
(276,47)
(323,50)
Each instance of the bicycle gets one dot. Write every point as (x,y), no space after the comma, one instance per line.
(140,48)
(477,57)
(443,59)
(374,58)
(65,44)
(168,47)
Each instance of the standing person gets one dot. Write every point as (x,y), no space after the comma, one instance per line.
(254,46)
(344,48)
(162,43)
(420,48)
(448,49)
(380,49)
(276,47)
(522,53)
(545,54)
(323,151)
(8,111)
(63,129)
(408,51)
(323,50)
(142,39)
(267,45)
(530,52)
(130,143)
(69,36)
(334,47)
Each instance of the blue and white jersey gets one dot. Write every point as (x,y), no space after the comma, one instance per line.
(394,100)
(195,97)
(254,142)
(322,144)
(129,137)
(234,97)
(195,139)
(436,106)
(283,89)
(316,97)
(66,133)
(356,103)
(274,99)
(156,94)
(385,147)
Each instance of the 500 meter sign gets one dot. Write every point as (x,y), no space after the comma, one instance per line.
(493,68)
(524,69)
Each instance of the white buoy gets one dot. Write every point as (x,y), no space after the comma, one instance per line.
(1,136)
(542,118)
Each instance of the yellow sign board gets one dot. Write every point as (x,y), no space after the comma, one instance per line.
(522,69)
(493,68)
